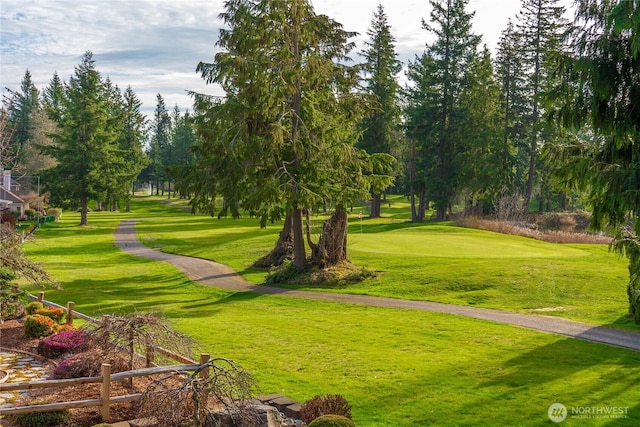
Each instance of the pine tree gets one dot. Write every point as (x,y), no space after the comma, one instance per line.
(598,95)
(131,142)
(510,72)
(285,133)
(487,162)
(434,116)
(381,127)
(541,27)
(85,146)
(159,144)
(21,106)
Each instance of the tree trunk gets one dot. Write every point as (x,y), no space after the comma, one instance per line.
(412,201)
(423,205)
(332,247)
(299,252)
(283,249)
(83,211)
(375,206)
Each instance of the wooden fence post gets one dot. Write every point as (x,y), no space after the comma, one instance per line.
(40,296)
(105,393)
(150,355)
(204,358)
(70,305)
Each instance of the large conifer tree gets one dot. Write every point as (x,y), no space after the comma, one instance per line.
(541,28)
(599,95)
(284,135)
(435,110)
(381,127)
(85,144)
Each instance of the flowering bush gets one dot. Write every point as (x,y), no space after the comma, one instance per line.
(36,326)
(54,313)
(63,342)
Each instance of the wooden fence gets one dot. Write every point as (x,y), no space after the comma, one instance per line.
(105,400)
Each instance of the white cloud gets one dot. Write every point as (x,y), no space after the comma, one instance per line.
(155,45)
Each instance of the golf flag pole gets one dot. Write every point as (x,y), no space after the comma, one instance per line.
(360,216)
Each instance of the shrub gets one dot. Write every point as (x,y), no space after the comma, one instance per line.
(63,342)
(63,327)
(8,218)
(88,364)
(332,420)
(329,404)
(57,213)
(54,313)
(36,326)
(10,306)
(33,306)
(42,419)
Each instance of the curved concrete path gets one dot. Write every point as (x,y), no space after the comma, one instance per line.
(220,276)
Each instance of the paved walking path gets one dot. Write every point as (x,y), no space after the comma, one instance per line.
(220,276)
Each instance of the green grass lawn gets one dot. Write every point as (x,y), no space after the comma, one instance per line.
(397,367)
(431,261)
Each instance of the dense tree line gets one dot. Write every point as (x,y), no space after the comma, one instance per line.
(88,141)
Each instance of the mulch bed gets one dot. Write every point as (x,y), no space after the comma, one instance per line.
(11,338)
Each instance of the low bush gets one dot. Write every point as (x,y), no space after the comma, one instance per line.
(33,306)
(88,364)
(54,313)
(54,212)
(329,404)
(29,213)
(332,420)
(36,326)
(70,341)
(42,419)
(63,327)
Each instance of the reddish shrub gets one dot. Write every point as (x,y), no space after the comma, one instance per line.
(329,404)
(62,342)
(88,364)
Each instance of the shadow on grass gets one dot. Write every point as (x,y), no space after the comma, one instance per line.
(567,370)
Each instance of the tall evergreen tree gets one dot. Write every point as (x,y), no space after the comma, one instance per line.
(487,161)
(53,98)
(131,142)
(285,133)
(511,74)
(541,27)
(183,139)
(599,95)
(85,147)
(381,127)
(435,111)
(159,144)
(21,106)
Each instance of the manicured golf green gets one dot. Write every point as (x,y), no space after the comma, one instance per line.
(397,367)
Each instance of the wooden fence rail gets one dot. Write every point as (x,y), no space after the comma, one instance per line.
(105,378)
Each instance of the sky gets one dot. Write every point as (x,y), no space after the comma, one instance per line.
(154,46)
